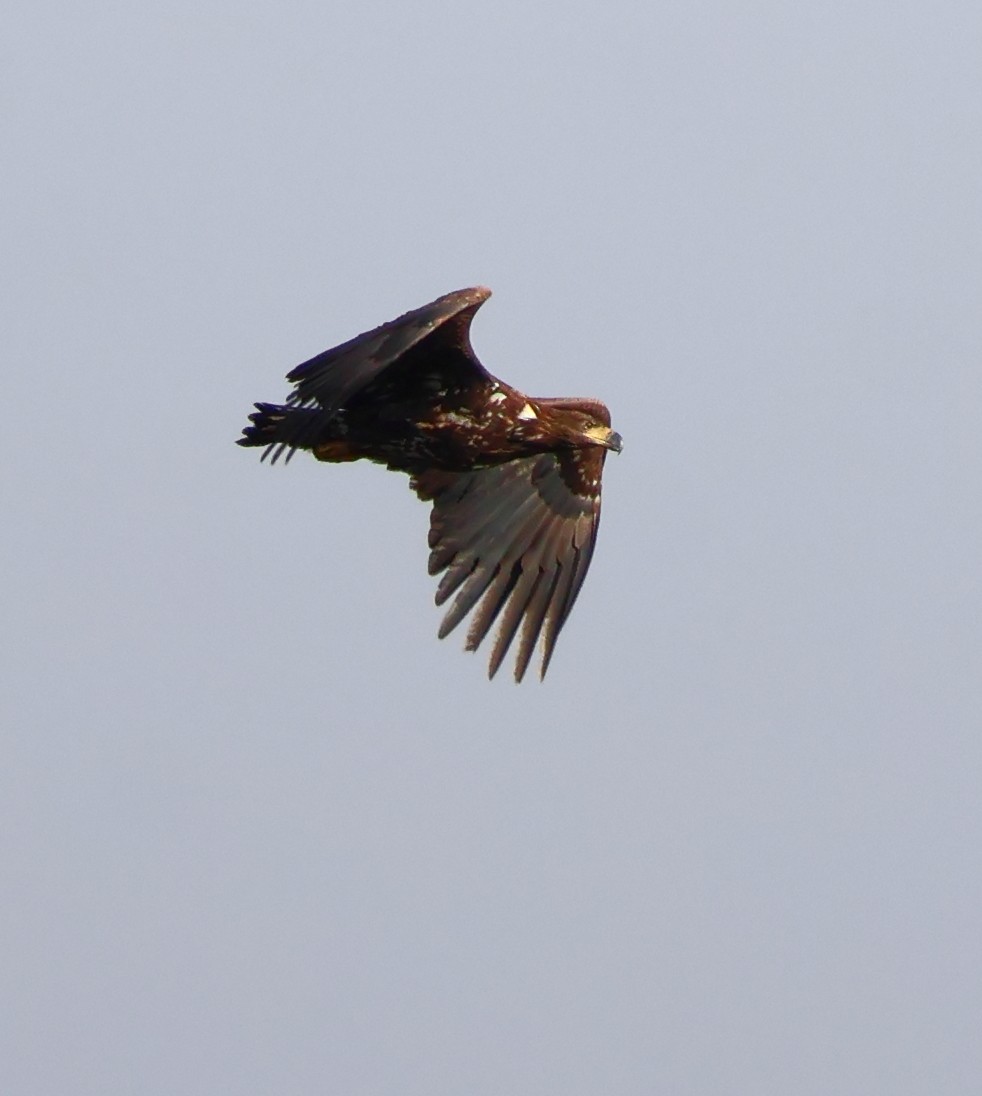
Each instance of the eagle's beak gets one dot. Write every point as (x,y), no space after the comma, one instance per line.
(614,441)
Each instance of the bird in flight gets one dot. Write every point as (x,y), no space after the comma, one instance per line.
(514,481)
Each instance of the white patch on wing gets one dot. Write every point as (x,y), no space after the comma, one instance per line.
(497,397)
(456,419)
(527,412)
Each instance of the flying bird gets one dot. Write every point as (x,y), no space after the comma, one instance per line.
(514,481)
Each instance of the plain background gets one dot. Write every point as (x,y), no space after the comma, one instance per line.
(261,832)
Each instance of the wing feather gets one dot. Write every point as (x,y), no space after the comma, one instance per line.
(535,610)
(514,542)
(476,515)
(523,521)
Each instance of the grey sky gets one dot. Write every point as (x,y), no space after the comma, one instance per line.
(259,830)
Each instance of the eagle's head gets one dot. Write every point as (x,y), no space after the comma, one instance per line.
(575,422)
(600,434)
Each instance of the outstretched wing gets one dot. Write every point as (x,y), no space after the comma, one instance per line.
(515,540)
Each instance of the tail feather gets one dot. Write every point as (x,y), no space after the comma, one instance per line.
(280,429)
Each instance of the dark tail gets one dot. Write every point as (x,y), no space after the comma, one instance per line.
(278,428)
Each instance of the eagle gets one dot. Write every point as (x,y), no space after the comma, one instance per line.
(514,481)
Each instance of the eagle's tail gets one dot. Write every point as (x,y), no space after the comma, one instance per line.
(279,428)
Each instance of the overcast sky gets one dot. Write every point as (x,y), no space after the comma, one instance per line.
(260,832)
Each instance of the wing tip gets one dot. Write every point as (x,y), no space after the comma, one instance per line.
(471,297)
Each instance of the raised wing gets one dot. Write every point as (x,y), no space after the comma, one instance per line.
(332,378)
(433,339)
(515,540)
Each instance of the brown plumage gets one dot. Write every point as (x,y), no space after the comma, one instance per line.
(514,481)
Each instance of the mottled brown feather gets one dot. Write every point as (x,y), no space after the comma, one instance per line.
(345,375)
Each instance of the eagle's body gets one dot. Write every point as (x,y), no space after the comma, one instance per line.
(515,482)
